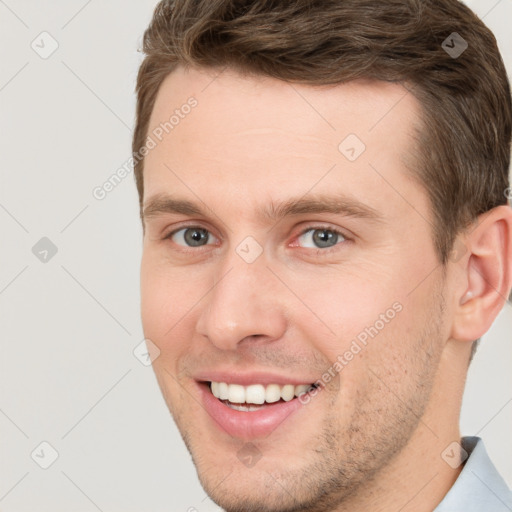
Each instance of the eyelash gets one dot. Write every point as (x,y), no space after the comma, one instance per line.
(313,227)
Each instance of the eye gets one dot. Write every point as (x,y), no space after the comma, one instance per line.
(191,237)
(320,238)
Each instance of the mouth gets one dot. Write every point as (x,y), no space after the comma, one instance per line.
(253,410)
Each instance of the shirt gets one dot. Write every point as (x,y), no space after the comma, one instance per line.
(479,487)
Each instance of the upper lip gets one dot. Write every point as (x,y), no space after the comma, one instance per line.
(248,378)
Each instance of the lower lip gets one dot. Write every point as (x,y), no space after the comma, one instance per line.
(250,424)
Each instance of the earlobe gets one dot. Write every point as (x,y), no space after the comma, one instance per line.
(487,272)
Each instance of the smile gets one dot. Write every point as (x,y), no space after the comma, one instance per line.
(253,410)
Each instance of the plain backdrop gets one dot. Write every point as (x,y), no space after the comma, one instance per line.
(70,321)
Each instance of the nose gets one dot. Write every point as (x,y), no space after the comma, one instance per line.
(244,305)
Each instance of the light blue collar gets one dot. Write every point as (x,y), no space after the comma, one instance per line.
(479,487)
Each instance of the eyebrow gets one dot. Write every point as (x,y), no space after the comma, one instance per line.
(161,204)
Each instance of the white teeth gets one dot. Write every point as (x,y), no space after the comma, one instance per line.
(272,393)
(256,393)
(236,393)
(223,391)
(287,392)
(302,388)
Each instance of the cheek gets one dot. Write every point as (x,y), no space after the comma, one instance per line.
(156,300)
(362,321)
(170,305)
(164,297)
(161,308)
(343,304)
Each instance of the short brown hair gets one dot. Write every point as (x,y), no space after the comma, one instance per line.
(463,154)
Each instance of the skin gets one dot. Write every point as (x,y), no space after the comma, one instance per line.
(372,438)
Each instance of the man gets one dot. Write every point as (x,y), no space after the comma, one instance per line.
(323,188)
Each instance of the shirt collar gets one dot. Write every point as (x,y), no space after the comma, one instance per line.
(479,486)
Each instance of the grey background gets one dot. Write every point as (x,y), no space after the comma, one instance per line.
(69,326)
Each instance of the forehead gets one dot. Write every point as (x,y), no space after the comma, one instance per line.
(229,100)
(268,134)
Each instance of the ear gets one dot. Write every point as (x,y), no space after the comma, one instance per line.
(486,278)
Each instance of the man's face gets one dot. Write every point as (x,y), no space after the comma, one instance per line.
(300,257)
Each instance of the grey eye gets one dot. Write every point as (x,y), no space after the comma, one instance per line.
(321,238)
(191,237)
